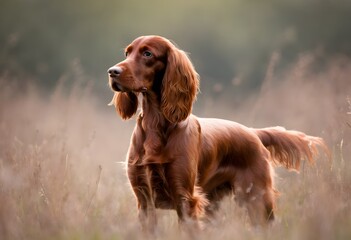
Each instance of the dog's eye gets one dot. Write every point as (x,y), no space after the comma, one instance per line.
(147,54)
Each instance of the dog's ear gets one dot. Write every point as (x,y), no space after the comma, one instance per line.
(126,104)
(180,85)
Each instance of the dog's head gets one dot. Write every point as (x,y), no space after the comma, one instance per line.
(153,65)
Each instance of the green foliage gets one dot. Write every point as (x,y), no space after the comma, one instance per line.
(226,39)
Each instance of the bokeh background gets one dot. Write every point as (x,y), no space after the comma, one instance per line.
(262,63)
(230,42)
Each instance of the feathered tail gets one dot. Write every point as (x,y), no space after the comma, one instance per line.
(288,148)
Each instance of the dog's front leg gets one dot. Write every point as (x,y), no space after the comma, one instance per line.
(147,217)
(189,201)
(140,179)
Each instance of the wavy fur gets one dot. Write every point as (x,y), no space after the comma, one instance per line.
(181,162)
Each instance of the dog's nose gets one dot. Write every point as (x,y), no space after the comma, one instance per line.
(114,71)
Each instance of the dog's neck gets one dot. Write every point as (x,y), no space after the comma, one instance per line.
(155,127)
(152,116)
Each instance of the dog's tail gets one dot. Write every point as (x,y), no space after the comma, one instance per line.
(288,148)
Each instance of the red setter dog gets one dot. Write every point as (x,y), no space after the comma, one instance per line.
(182,162)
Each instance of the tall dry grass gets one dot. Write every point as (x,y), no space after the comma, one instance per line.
(62,174)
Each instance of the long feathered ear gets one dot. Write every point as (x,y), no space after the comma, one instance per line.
(179,86)
(126,104)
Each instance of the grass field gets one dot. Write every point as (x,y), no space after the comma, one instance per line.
(62,174)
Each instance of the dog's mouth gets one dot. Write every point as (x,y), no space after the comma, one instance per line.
(116,87)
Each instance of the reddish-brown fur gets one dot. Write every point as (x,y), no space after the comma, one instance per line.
(179,161)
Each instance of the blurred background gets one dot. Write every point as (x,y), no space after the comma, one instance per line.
(261,63)
(230,42)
